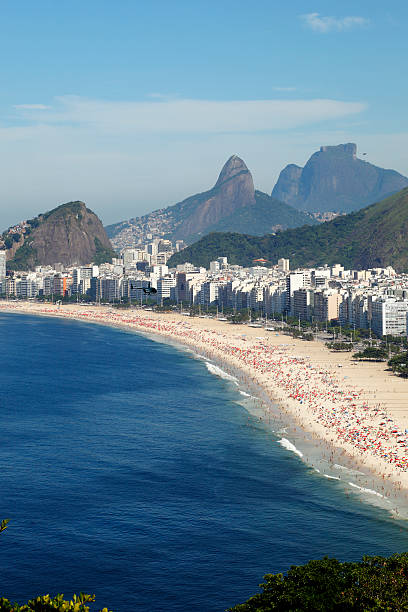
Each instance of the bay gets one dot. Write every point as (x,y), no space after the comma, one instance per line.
(128,470)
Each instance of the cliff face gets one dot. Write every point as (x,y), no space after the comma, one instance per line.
(234,189)
(334,179)
(70,234)
(288,184)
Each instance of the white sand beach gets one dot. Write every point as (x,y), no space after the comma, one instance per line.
(358,409)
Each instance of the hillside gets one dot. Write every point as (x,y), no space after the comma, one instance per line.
(266,215)
(376,236)
(69,234)
(232,204)
(335,179)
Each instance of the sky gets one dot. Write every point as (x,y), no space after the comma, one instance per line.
(132,106)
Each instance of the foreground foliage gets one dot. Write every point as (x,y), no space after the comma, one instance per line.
(45,603)
(375,583)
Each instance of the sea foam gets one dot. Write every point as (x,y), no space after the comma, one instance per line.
(289,446)
(346,469)
(364,490)
(213,369)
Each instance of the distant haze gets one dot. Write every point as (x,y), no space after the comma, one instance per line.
(123,184)
(134,106)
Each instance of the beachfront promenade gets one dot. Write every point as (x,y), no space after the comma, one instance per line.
(359,409)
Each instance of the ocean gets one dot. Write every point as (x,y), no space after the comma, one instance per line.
(136,471)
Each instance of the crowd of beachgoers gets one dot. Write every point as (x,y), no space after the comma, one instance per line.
(322,399)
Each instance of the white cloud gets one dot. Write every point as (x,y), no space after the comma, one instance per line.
(185,116)
(31,107)
(318,23)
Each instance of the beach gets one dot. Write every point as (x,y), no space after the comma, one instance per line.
(355,410)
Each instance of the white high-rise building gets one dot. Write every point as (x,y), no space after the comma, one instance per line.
(214,267)
(283,265)
(2,264)
(389,317)
(164,288)
(295,281)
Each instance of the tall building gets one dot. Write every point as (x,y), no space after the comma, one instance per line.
(2,264)
(295,281)
(326,305)
(164,288)
(303,301)
(109,289)
(214,267)
(209,293)
(283,265)
(389,317)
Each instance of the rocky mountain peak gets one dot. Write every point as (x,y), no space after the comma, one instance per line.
(233,190)
(69,234)
(335,179)
(232,167)
(350,148)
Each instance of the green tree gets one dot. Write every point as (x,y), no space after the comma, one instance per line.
(239,317)
(399,364)
(375,583)
(372,353)
(339,346)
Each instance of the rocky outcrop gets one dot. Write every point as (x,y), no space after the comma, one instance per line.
(69,234)
(288,184)
(233,190)
(335,179)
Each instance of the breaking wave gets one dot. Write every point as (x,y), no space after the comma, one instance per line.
(213,369)
(289,446)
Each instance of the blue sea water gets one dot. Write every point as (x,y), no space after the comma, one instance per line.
(128,470)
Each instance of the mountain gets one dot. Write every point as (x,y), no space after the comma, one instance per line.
(266,215)
(69,234)
(376,236)
(233,190)
(232,204)
(335,179)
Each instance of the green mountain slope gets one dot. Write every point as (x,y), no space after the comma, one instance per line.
(375,236)
(266,215)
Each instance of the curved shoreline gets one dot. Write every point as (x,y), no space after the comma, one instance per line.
(307,388)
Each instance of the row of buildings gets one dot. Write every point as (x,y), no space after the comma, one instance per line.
(376,298)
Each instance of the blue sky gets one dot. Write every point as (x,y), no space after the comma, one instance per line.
(133,106)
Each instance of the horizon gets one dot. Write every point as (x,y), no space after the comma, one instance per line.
(134,108)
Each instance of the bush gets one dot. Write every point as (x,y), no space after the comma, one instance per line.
(45,603)
(327,585)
